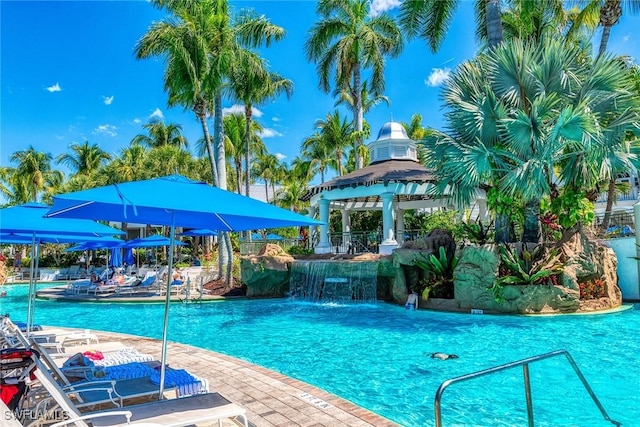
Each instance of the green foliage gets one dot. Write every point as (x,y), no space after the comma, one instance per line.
(528,267)
(477,232)
(572,207)
(501,204)
(438,269)
(445,220)
(299,250)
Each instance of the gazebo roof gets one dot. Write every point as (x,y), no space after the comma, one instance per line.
(397,171)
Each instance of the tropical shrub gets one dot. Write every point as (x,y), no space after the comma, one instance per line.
(526,267)
(477,232)
(592,289)
(438,280)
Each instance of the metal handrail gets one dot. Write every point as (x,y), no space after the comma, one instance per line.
(525,366)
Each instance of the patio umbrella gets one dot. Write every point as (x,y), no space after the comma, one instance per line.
(115,260)
(29,219)
(199,232)
(153,241)
(128,256)
(273,236)
(154,201)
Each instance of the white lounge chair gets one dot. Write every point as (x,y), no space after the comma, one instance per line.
(180,412)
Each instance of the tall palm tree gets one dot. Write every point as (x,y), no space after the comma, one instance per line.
(160,134)
(185,39)
(34,172)
(290,196)
(607,13)
(253,84)
(128,165)
(430,20)
(346,41)
(84,159)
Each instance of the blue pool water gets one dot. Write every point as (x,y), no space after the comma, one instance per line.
(377,356)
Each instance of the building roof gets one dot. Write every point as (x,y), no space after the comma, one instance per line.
(402,171)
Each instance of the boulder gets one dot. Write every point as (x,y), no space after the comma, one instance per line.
(266,274)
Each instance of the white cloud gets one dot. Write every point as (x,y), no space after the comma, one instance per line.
(269,133)
(107,100)
(626,38)
(276,119)
(236,108)
(380,6)
(156,115)
(437,76)
(55,88)
(280,156)
(136,121)
(106,129)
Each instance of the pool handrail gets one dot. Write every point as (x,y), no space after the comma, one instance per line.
(525,367)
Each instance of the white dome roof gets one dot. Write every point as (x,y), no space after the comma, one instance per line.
(393,144)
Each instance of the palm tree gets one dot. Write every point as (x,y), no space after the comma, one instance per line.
(290,196)
(160,134)
(512,126)
(185,40)
(608,13)
(253,84)
(235,141)
(337,135)
(318,154)
(346,41)
(430,19)
(85,159)
(33,173)
(266,167)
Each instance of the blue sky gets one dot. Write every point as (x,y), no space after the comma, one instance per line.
(68,74)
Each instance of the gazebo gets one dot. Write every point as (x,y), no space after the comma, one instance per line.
(393,182)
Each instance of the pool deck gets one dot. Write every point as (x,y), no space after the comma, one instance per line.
(270,398)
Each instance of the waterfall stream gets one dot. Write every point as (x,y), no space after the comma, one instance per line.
(342,282)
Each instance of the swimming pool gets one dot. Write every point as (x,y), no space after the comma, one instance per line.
(378,355)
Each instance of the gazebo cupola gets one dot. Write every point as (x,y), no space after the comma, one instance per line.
(393,144)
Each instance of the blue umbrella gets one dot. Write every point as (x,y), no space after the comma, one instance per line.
(154,201)
(153,241)
(199,232)
(128,256)
(273,236)
(115,260)
(29,219)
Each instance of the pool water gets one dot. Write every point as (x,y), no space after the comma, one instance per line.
(378,356)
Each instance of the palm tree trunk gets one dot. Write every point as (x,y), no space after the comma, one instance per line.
(201,113)
(606,31)
(611,195)
(358,119)
(239,175)
(247,139)
(218,136)
(223,253)
(266,190)
(531,231)
(503,228)
(494,22)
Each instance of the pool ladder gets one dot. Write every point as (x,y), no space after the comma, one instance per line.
(527,387)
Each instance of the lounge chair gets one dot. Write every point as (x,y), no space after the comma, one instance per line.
(179,412)
(147,285)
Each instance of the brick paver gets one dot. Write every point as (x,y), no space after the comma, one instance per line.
(270,398)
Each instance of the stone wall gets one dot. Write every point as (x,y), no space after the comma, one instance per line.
(267,275)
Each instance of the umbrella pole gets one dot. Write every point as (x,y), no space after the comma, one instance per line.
(30,301)
(167,300)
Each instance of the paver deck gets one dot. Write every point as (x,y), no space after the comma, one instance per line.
(270,398)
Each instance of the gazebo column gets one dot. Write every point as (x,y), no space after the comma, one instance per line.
(400,225)
(323,247)
(389,242)
(346,229)
(313,229)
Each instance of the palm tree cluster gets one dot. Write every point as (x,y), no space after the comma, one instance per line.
(529,115)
